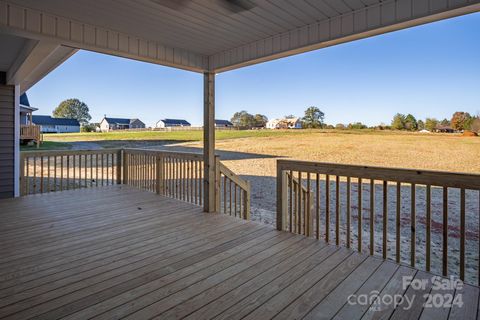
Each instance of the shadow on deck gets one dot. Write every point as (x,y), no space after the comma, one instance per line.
(115,252)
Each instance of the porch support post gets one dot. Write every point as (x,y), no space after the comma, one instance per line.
(209,142)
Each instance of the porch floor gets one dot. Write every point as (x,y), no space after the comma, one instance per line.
(117,252)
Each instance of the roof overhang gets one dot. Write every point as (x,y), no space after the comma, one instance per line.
(204,37)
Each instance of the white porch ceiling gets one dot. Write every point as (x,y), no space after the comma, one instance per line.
(204,36)
(14,45)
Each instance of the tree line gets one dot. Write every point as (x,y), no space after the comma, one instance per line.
(460,121)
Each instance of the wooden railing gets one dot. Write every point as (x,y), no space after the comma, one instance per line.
(178,175)
(49,171)
(30,132)
(427,219)
(233,195)
(300,208)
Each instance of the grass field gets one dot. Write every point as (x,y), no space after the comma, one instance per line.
(449,152)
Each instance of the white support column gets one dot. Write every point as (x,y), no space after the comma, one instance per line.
(209,142)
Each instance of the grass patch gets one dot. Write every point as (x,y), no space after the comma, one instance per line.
(198,135)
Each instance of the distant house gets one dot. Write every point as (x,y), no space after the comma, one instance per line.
(223,124)
(285,123)
(25,110)
(108,124)
(444,129)
(165,123)
(49,124)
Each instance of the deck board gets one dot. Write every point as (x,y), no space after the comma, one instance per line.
(117,252)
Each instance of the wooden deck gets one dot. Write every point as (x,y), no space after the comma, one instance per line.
(117,252)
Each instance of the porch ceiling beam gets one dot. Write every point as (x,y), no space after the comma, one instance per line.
(37,25)
(387,16)
(35,60)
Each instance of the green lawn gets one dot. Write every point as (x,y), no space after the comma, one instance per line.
(191,135)
(164,136)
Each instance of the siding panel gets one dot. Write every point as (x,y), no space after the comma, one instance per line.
(7,136)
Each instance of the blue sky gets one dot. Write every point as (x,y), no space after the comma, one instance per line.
(431,70)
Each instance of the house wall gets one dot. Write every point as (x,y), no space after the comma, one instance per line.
(67,129)
(7,141)
(137,124)
(104,126)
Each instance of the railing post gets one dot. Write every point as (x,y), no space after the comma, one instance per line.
(209,143)
(125,166)
(281,198)
(119,166)
(246,202)
(217,184)
(22,174)
(159,175)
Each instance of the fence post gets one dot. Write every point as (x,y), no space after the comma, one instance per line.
(217,184)
(282,197)
(125,166)
(119,166)
(246,202)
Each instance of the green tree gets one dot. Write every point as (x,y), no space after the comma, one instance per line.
(475,126)
(313,118)
(411,123)
(445,122)
(461,120)
(398,122)
(260,121)
(431,124)
(73,109)
(357,125)
(421,124)
(243,120)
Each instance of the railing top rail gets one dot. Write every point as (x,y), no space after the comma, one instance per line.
(52,153)
(186,155)
(234,177)
(426,177)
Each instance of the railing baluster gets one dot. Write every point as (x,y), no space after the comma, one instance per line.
(308,208)
(34,175)
(413,222)
(360,229)
(348,211)
(463,231)
(372,216)
(55,173)
(235,197)
(290,203)
(41,174)
(230,195)
(68,172)
(337,210)
(317,205)
(48,174)
(445,232)
(397,221)
(27,176)
(385,219)
(299,207)
(327,208)
(428,223)
(74,160)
